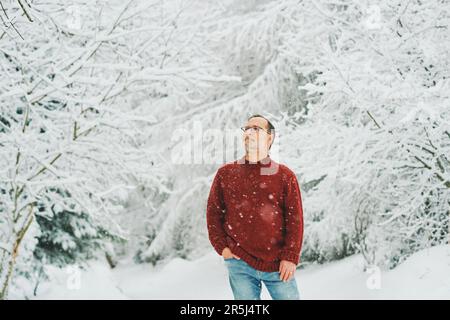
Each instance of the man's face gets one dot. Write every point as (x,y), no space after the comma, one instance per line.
(258,139)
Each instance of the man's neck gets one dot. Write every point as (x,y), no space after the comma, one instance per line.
(255,157)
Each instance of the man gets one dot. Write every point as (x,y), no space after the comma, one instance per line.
(255,218)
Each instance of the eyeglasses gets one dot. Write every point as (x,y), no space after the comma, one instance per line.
(254,129)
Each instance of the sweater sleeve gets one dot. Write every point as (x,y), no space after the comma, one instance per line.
(215,211)
(293,217)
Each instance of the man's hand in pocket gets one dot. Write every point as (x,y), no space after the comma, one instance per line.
(227,254)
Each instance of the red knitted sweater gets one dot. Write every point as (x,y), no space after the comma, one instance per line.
(255,209)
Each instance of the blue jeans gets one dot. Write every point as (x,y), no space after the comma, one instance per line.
(245,282)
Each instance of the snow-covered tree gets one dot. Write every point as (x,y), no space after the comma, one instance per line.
(67,121)
(374,132)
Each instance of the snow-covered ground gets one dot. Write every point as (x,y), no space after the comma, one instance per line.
(425,275)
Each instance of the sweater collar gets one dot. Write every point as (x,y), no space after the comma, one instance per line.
(264,162)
